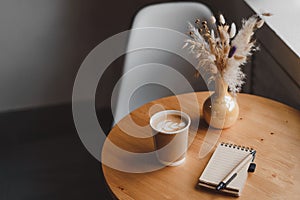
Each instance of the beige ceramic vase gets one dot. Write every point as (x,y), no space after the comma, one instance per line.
(220,110)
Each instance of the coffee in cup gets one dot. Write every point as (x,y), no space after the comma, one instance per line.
(170,129)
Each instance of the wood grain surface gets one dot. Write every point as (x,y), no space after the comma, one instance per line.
(272,128)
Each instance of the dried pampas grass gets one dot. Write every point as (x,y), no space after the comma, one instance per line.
(223,51)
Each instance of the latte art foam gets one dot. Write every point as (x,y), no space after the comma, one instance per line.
(170,126)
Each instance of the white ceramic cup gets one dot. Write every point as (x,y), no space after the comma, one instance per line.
(170,137)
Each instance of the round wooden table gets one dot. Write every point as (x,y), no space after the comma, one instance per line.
(272,128)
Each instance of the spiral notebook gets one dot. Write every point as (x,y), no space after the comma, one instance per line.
(223,160)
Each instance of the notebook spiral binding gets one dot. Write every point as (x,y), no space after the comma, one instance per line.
(243,148)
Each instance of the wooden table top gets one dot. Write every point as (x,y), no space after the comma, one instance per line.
(272,128)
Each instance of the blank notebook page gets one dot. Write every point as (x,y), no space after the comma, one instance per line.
(225,158)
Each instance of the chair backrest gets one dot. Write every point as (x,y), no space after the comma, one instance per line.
(174,16)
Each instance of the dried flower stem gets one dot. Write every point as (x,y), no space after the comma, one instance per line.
(225,51)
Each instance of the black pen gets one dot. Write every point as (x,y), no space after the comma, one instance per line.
(235,171)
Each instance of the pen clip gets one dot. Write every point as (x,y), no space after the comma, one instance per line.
(253,155)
